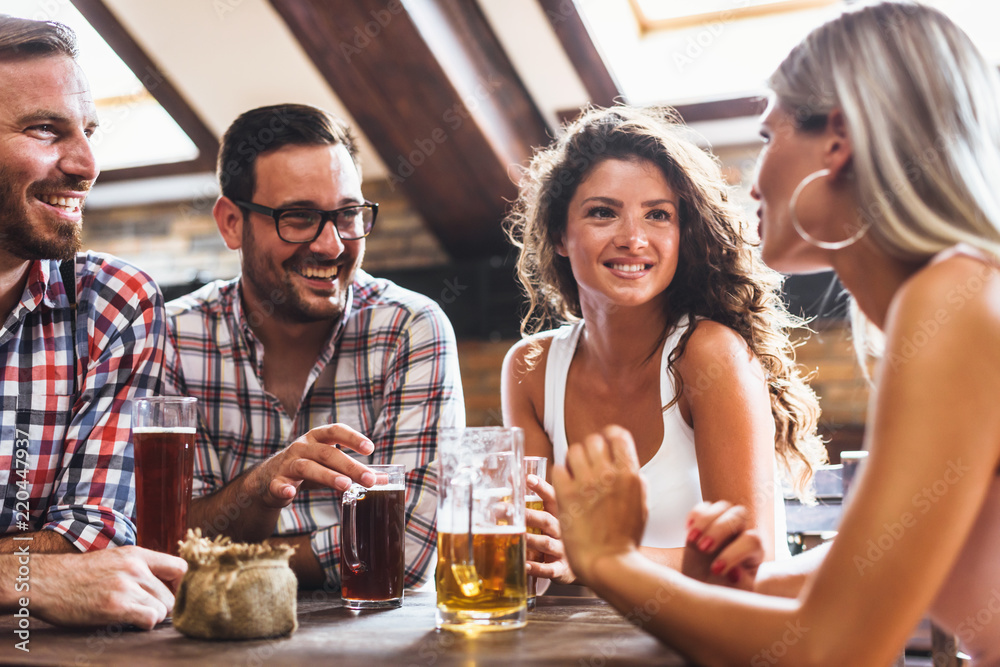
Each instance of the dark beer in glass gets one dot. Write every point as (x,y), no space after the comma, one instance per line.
(372,541)
(163,442)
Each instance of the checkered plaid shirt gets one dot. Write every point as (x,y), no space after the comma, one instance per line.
(65,435)
(390,371)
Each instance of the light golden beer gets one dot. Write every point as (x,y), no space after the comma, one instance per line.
(490,596)
(533,503)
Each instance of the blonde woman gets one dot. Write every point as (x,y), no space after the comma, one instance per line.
(882,144)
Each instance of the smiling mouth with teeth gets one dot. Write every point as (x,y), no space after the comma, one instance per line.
(629,267)
(316,273)
(68,204)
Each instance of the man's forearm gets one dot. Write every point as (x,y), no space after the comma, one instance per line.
(304,563)
(236,510)
(8,586)
(39,541)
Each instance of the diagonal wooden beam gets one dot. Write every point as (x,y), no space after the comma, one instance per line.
(430,86)
(160,87)
(574,35)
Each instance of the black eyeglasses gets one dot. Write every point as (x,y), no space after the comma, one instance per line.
(304,225)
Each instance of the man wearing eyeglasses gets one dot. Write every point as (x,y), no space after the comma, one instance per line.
(307,368)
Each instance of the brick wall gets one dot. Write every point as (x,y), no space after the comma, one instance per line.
(176,243)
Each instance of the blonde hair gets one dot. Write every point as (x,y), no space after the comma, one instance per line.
(720,275)
(922,107)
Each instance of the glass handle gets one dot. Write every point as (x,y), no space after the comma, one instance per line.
(349,549)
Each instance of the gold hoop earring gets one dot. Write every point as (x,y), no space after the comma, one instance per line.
(806,236)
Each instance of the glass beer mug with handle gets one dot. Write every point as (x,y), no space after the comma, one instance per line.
(481,579)
(372,540)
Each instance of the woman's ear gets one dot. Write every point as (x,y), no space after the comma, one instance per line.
(838,148)
(561,245)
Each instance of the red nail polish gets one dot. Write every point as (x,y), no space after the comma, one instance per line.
(693,535)
(734,575)
(706,543)
(717,567)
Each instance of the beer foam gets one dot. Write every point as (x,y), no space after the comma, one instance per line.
(485,530)
(446,523)
(387,487)
(164,429)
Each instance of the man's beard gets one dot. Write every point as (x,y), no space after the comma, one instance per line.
(278,292)
(17,234)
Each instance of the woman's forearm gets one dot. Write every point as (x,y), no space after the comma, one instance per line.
(785,578)
(672,558)
(711,625)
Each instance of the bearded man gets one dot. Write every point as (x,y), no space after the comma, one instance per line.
(80,333)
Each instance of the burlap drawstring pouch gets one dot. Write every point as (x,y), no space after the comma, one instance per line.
(235,591)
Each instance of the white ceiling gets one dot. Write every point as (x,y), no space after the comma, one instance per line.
(230,56)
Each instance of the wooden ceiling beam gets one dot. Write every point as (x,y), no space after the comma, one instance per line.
(430,86)
(698,112)
(574,35)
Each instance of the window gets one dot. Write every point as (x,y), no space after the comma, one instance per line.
(662,14)
(681,51)
(135,129)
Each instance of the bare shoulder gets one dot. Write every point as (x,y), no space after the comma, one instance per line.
(525,360)
(522,389)
(715,345)
(960,289)
(952,307)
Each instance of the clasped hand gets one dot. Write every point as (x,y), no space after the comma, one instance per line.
(602,513)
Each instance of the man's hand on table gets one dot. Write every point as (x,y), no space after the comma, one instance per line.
(128,585)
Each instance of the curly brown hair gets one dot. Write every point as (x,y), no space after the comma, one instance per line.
(720,275)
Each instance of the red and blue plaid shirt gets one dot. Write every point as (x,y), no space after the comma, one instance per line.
(390,371)
(65,448)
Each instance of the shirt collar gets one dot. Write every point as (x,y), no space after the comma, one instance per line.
(43,287)
(256,348)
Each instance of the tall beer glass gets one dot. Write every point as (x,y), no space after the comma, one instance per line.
(534,465)
(163,442)
(371,543)
(481,578)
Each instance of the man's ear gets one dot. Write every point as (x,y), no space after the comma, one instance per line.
(838,147)
(229,218)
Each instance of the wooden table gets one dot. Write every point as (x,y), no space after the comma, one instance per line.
(560,631)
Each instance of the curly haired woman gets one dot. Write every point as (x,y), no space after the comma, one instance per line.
(672,327)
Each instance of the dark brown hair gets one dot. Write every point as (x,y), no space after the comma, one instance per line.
(269,128)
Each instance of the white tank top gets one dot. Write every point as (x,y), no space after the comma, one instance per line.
(672,474)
